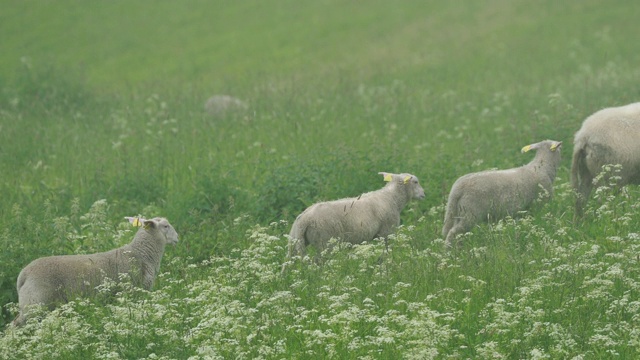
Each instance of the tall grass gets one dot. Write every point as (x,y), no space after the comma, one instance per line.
(91,131)
(527,288)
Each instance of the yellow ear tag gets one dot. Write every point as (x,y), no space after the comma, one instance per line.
(406,179)
(135,221)
(388,177)
(526,148)
(554,146)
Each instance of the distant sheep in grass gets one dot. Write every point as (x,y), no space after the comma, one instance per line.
(494,194)
(53,280)
(609,136)
(219,105)
(355,220)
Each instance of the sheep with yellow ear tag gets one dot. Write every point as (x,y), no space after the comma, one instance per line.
(52,280)
(355,220)
(489,196)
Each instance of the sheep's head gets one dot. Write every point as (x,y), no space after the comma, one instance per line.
(416,191)
(555,145)
(159,224)
(163,226)
(547,154)
(550,145)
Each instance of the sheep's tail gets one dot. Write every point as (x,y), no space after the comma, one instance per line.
(20,319)
(450,212)
(297,237)
(22,278)
(581,178)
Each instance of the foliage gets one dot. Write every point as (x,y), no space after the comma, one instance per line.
(110,123)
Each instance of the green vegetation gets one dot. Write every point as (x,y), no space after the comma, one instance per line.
(102,116)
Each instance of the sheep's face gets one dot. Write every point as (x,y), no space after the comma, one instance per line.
(417,192)
(411,181)
(163,226)
(552,148)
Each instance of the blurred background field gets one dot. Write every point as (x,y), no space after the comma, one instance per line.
(105,100)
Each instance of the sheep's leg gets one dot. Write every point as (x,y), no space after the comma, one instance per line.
(25,307)
(295,247)
(582,195)
(582,181)
(448,224)
(300,247)
(582,187)
(459,227)
(451,237)
(20,320)
(453,208)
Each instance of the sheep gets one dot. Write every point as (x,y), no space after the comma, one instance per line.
(494,194)
(371,215)
(218,105)
(609,136)
(53,280)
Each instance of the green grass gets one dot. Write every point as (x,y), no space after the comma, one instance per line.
(104,100)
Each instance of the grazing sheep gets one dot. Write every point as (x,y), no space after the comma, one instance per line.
(355,220)
(609,136)
(494,194)
(57,279)
(219,105)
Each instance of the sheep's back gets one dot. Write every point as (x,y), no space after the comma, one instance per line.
(620,126)
(352,219)
(488,182)
(611,136)
(74,272)
(503,191)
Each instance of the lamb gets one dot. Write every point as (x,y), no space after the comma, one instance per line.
(494,194)
(609,136)
(52,280)
(355,220)
(218,105)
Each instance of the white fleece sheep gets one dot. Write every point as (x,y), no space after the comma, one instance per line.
(494,194)
(58,279)
(218,105)
(609,136)
(355,220)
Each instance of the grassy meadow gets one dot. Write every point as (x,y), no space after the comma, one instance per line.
(102,116)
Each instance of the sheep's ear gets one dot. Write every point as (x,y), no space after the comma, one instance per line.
(556,145)
(149,224)
(135,221)
(529,147)
(386,176)
(406,179)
